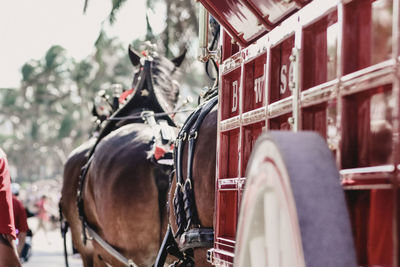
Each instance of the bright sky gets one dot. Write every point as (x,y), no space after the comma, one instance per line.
(28,28)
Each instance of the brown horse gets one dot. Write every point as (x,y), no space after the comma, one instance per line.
(68,202)
(203,177)
(124,191)
(72,168)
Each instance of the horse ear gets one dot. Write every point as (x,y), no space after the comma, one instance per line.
(134,56)
(178,60)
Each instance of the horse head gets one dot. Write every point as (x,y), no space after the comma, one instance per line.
(154,87)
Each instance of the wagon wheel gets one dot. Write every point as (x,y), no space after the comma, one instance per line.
(293,211)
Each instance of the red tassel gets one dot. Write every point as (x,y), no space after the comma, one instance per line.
(159,152)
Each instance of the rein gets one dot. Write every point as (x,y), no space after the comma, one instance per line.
(143,116)
(64,230)
(107,247)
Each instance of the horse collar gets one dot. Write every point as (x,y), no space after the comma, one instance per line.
(184,203)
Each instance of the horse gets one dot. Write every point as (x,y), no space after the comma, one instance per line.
(69,210)
(203,177)
(191,197)
(124,189)
(72,167)
(190,201)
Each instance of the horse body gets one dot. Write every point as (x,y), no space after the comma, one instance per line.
(68,202)
(122,195)
(124,190)
(204,162)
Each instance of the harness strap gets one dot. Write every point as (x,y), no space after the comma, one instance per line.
(110,250)
(145,78)
(184,199)
(168,246)
(179,208)
(189,202)
(64,230)
(81,211)
(197,237)
(182,136)
(184,205)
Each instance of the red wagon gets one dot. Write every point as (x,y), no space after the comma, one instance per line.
(328,66)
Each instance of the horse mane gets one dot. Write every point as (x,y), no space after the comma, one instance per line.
(166,90)
(165,87)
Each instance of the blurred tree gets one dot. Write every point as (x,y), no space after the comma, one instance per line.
(49,114)
(180,31)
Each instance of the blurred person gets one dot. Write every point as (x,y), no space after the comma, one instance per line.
(20,218)
(8,249)
(42,215)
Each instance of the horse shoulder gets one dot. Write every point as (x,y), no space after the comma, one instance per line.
(204,168)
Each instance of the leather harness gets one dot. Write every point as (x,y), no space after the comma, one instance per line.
(184,202)
(184,205)
(110,126)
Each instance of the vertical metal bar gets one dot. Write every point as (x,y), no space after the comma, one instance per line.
(217,152)
(267,85)
(241,95)
(339,73)
(396,130)
(294,84)
(299,74)
(203,34)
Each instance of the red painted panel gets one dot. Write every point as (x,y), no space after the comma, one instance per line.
(229,154)
(230,94)
(238,18)
(280,123)
(367,33)
(227,214)
(221,256)
(274,11)
(371,218)
(367,128)
(247,20)
(319,54)
(357,36)
(315,119)
(280,66)
(382,21)
(229,48)
(254,83)
(250,135)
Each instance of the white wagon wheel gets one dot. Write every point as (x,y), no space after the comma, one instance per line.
(293,211)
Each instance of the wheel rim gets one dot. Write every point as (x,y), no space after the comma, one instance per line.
(272,237)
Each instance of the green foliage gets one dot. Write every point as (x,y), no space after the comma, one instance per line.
(85,6)
(66,127)
(116,5)
(54,57)
(49,114)
(27,71)
(9,97)
(34,130)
